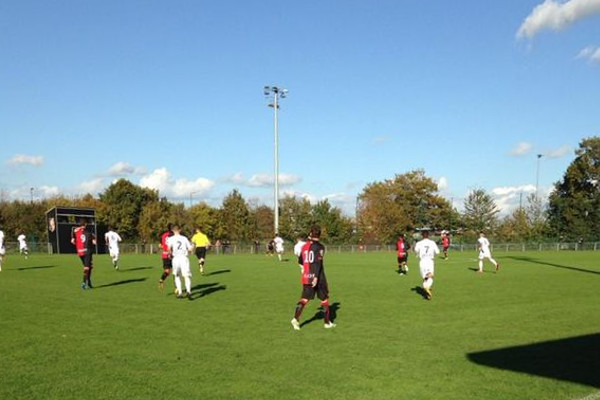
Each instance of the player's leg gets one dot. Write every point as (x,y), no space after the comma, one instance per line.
(323,294)
(481,257)
(298,312)
(187,276)
(496,264)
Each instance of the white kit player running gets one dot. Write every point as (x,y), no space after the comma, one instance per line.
(298,252)
(23,245)
(112,239)
(278,245)
(179,248)
(2,249)
(483,245)
(426,250)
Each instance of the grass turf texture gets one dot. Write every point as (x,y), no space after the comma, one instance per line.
(125,340)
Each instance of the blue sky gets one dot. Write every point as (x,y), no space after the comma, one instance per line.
(169,95)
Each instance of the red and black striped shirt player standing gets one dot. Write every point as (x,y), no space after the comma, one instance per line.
(314,281)
(166,257)
(85,243)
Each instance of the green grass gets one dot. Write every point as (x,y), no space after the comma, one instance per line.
(125,340)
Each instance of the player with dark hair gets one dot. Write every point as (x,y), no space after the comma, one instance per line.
(426,250)
(166,257)
(313,278)
(402,247)
(84,242)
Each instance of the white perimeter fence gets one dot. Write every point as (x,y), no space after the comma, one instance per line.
(136,248)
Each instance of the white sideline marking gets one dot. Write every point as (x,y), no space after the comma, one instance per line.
(592,396)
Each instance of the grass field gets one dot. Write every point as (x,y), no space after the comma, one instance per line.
(532,331)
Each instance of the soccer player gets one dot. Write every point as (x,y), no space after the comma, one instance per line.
(179,248)
(112,239)
(426,250)
(313,278)
(445,243)
(23,245)
(402,247)
(483,245)
(300,242)
(201,243)
(270,248)
(2,249)
(278,245)
(166,257)
(84,242)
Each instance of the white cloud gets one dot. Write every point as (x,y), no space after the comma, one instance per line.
(264,180)
(521,149)
(19,159)
(512,190)
(559,153)
(123,168)
(591,53)
(93,186)
(344,201)
(442,184)
(554,15)
(24,192)
(237,178)
(162,180)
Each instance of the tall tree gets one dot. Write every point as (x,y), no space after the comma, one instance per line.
(235,217)
(401,204)
(262,222)
(480,211)
(336,227)
(574,205)
(296,217)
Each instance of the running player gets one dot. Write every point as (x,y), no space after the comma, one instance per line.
(426,250)
(166,257)
(483,245)
(278,245)
(2,249)
(179,248)
(402,247)
(112,240)
(201,243)
(300,242)
(445,243)
(313,278)
(23,250)
(84,242)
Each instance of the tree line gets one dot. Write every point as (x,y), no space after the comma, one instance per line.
(402,204)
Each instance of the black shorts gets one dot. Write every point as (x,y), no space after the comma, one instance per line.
(167,263)
(300,262)
(321,290)
(403,259)
(446,248)
(86,260)
(201,252)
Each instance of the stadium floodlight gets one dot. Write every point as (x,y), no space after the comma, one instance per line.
(273,94)
(537,177)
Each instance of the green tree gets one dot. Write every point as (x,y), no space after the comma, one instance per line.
(480,211)
(205,217)
(153,220)
(121,205)
(262,222)
(336,227)
(574,205)
(235,217)
(296,217)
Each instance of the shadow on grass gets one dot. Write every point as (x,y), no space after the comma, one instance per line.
(204,289)
(220,271)
(124,282)
(537,261)
(477,270)
(135,269)
(420,291)
(572,359)
(320,314)
(37,267)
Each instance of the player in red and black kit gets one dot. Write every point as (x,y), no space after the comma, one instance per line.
(85,243)
(402,247)
(313,278)
(445,244)
(166,257)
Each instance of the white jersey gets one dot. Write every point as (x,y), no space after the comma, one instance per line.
(22,243)
(278,244)
(180,245)
(484,244)
(298,247)
(1,239)
(112,238)
(426,249)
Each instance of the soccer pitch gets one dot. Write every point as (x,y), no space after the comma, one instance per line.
(531,331)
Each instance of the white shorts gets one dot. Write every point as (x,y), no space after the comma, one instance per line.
(484,254)
(426,267)
(114,252)
(279,249)
(2,251)
(181,266)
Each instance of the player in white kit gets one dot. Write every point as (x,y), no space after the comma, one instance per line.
(298,251)
(112,239)
(278,245)
(179,248)
(483,245)
(2,249)
(23,245)
(426,250)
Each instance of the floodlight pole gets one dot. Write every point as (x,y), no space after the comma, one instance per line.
(276,92)
(537,177)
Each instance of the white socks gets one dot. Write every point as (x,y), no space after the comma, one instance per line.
(178,284)
(188,284)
